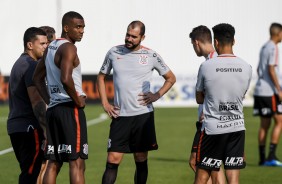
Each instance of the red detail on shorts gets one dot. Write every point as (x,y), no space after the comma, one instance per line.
(77,129)
(199,146)
(273,103)
(36,137)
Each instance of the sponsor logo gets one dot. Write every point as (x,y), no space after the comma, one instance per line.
(161,62)
(50,149)
(228,106)
(265,111)
(105,64)
(211,162)
(52,47)
(54,89)
(228,70)
(234,161)
(236,124)
(109,143)
(85,149)
(143,60)
(63,148)
(229,118)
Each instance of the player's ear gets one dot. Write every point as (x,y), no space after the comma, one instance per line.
(233,42)
(66,28)
(29,45)
(143,37)
(215,43)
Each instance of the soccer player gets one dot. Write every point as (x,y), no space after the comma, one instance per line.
(201,40)
(221,85)
(268,96)
(132,129)
(50,33)
(26,122)
(66,122)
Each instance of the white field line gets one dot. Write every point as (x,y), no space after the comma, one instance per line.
(95,121)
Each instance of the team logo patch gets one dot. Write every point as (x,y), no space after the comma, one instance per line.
(85,149)
(143,60)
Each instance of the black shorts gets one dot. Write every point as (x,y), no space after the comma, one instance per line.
(196,137)
(133,134)
(66,133)
(29,153)
(267,106)
(227,148)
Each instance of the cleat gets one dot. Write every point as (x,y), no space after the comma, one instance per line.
(275,163)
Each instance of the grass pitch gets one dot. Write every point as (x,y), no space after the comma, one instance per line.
(175,129)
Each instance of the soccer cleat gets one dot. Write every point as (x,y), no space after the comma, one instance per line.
(275,163)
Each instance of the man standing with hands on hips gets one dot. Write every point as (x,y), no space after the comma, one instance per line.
(132,129)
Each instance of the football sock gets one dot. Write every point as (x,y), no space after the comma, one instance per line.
(272,150)
(110,173)
(261,154)
(141,172)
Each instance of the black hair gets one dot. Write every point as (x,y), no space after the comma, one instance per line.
(224,33)
(275,28)
(202,33)
(139,24)
(70,15)
(31,34)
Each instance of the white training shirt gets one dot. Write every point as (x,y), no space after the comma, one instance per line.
(268,56)
(132,72)
(224,81)
(55,87)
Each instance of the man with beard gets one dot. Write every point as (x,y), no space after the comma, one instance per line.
(132,129)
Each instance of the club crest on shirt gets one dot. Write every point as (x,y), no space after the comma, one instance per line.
(143,60)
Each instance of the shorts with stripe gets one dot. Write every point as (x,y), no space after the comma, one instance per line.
(196,137)
(215,149)
(267,106)
(29,153)
(66,133)
(133,134)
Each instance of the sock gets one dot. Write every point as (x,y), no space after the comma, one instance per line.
(110,173)
(261,154)
(272,150)
(141,172)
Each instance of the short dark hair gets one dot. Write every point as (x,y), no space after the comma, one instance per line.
(70,15)
(224,33)
(139,24)
(49,31)
(31,34)
(275,28)
(202,33)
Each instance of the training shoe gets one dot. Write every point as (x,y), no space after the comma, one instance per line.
(273,162)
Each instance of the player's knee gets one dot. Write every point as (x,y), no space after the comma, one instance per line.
(140,157)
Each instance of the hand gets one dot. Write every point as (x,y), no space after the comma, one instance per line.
(112,111)
(192,161)
(148,98)
(81,101)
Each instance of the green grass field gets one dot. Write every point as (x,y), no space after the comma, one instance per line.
(169,165)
